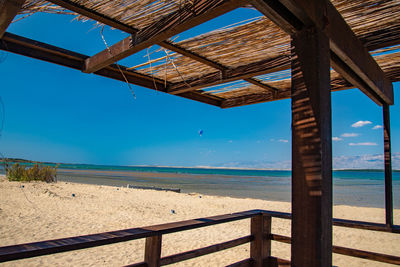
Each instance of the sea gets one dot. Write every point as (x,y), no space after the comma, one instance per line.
(350,187)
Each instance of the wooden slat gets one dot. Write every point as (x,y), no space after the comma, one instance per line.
(349,251)
(366,255)
(367,226)
(184,19)
(22,251)
(388,166)
(38,50)
(204,251)
(343,41)
(8,10)
(311,149)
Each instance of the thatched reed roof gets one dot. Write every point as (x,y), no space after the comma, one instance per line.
(241,48)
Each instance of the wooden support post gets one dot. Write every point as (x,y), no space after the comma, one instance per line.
(8,10)
(388,166)
(152,254)
(260,247)
(311,150)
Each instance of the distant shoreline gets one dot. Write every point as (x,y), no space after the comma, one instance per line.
(62,165)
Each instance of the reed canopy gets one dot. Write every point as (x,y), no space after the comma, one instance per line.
(244,63)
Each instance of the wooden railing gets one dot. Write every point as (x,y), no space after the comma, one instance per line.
(260,241)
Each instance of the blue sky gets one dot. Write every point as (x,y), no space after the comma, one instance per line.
(53,113)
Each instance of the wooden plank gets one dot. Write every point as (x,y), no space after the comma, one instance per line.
(204,251)
(184,19)
(38,50)
(379,257)
(367,226)
(349,251)
(152,251)
(311,149)
(388,166)
(8,10)
(260,247)
(343,42)
(28,250)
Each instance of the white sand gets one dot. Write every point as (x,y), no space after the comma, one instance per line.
(41,211)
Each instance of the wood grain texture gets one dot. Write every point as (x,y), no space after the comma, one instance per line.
(200,11)
(38,50)
(311,150)
(152,251)
(388,165)
(8,10)
(260,247)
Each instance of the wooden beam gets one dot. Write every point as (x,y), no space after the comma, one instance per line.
(166,44)
(152,252)
(260,247)
(8,10)
(311,149)
(343,42)
(188,17)
(369,38)
(240,73)
(388,166)
(38,50)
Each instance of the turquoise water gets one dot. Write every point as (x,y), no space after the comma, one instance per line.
(351,187)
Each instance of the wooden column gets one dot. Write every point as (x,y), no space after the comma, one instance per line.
(388,166)
(152,253)
(311,150)
(260,247)
(8,10)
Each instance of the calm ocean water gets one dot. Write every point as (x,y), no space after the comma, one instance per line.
(355,187)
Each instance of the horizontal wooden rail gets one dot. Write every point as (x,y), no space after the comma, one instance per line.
(204,251)
(199,252)
(29,250)
(15,252)
(349,251)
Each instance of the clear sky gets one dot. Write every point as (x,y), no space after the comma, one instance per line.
(53,113)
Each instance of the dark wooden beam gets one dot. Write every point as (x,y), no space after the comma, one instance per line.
(260,247)
(8,10)
(188,17)
(240,73)
(166,44)
(388,166)
(187,53)
(152,251)
(38,50)
(311,149)
(343,42)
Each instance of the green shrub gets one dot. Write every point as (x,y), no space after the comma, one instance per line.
(23,173)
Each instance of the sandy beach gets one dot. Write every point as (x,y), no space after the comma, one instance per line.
(38,211)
